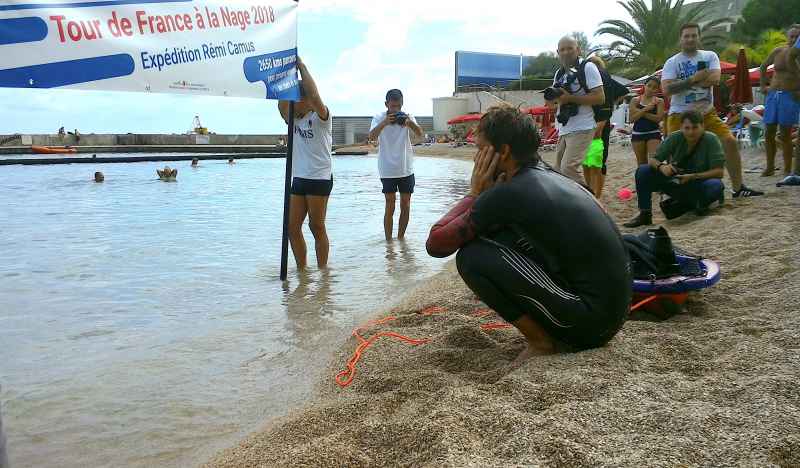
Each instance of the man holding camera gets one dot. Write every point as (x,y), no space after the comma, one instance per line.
(688,79)
(395,159)
(687,167)
(574,96)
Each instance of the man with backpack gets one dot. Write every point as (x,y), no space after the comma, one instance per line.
(574,99)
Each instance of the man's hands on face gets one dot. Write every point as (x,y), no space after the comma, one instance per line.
(483,173)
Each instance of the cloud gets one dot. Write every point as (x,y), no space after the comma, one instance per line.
(411,44)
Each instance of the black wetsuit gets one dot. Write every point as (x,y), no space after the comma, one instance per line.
(541,245)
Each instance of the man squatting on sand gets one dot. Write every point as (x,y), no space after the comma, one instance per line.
(549,279)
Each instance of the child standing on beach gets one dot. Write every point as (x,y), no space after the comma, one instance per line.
(392,129)
(312,170)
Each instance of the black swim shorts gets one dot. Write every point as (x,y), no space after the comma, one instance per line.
(315,187)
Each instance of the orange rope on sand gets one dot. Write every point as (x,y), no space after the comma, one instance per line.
(641,303)
(345,377)
(481,312)
(495,326)
(433,310)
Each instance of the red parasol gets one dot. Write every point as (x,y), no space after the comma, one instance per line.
(742,92)
(464,118)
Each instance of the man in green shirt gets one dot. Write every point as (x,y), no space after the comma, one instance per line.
(688,167)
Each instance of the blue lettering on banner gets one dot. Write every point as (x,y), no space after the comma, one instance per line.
(182,55)
(278,72)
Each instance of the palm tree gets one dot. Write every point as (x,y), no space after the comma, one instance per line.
(644,46)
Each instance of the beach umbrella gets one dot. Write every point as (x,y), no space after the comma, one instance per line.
(742,92)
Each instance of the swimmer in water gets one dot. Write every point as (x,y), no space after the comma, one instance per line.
(167,174)
(99,177)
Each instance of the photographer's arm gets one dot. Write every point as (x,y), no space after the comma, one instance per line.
(376,131)
(595,97)
(412,125)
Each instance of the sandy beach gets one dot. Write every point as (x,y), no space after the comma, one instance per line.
(716,385)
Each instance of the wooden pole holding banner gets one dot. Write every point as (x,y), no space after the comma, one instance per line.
(287,195)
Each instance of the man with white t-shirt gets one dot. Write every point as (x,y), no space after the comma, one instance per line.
(392,129)
(578,94)
(688,79)
(312,171)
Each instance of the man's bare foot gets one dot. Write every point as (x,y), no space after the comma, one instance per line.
(530,351)
(768,172)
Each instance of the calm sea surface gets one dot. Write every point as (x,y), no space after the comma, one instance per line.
(143,323)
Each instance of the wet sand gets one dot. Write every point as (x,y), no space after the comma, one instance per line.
(716,385)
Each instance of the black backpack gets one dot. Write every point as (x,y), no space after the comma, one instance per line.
(612,88)
(652,254)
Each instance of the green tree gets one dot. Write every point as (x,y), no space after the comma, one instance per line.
(761,15)
(644,45)
(543,65)
(758,53)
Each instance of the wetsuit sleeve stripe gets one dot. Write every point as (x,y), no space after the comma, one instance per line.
(452,231)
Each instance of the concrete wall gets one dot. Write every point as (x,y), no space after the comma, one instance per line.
(141,140)
(480,101)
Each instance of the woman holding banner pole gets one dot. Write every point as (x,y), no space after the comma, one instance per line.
(312,173)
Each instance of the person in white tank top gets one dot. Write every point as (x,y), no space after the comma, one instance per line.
(312,173)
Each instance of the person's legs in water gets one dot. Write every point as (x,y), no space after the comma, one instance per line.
(297,216)
(317,211)
(523,294)
(771,146)
(405,215)
(388,215)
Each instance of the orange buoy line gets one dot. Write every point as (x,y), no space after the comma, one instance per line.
(345,377)
(643,302)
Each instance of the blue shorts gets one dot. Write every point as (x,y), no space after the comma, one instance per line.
(782,109)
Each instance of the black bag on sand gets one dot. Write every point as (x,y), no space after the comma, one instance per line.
(652,254)
(673,208)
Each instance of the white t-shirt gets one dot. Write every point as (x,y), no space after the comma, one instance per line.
(585,119)
(682,67)
(311,157)
(395,155)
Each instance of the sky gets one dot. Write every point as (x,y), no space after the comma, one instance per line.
(355,50)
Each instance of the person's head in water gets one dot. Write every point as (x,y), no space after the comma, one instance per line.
(99,177)
(394,101)
(231,161)
(568,52)
(195,161)
(690,38)
(512,134)
(692,126)
(652,86)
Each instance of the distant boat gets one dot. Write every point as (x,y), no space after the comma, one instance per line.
(53,150)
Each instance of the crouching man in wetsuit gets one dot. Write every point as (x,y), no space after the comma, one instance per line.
(535,246)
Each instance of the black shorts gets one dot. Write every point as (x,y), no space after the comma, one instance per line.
(315,187)
(646,136)
(399,184)
(513,284)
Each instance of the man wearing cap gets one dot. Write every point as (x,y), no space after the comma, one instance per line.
(392,129)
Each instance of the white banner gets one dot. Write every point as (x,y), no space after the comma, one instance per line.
(240,48)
